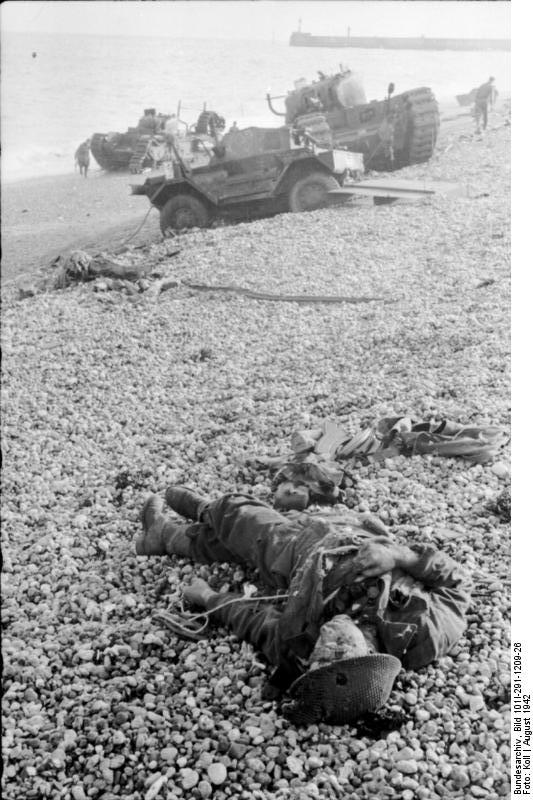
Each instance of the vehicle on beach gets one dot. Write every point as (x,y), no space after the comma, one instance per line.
(146,146)
(390,133)
(255,172)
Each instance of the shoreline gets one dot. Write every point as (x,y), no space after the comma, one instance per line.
(46,216)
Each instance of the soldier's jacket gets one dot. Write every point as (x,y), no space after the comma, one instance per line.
(418,616)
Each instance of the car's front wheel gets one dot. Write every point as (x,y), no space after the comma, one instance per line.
(311,191)
(183,212)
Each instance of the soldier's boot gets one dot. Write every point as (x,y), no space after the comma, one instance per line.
(161,536)
(186,502)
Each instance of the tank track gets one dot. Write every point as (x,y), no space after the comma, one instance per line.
(419,125)
(140,156)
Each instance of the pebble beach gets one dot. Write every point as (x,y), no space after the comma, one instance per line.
(110,395)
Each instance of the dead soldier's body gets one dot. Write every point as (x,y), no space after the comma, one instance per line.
(355,605)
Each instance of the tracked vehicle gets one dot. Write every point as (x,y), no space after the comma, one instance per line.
(140,148)
(253,173)
(390,133)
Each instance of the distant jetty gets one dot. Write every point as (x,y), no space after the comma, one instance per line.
(300,39)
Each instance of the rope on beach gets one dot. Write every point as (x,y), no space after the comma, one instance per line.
(136,231)
(289,298)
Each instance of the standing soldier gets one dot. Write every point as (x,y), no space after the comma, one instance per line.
(485,95)
(82,157)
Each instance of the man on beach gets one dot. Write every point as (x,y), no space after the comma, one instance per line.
(82,157)
(355,605)
(485,96)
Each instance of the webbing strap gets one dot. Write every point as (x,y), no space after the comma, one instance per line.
(193,626)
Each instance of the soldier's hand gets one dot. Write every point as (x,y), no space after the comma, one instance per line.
(198,592)
(376,557)
(374,524)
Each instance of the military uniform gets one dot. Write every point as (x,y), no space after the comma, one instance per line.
(417,616)
(485,94)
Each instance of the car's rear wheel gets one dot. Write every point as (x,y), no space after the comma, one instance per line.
(183,212)
(311,191)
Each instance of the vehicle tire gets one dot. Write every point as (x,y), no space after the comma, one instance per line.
(311,191)
(182,212)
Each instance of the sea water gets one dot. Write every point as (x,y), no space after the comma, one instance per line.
(57,90)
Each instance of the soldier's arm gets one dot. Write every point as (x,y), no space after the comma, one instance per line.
(252,621)
(448,592)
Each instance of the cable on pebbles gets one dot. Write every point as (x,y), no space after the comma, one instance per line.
(104,402)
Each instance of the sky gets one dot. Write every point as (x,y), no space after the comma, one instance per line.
(259,19)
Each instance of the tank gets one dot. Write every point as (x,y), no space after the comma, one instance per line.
(149,144)
(390,133)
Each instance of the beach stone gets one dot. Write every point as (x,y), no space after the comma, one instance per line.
(379,774)
(237,750)
(189,777)
(205,759)
(151,779)
(295,765)
(476,702)
(169,754)
(217,773)
(410,698)
(430,728)
(408,767)
(78,792)
(405,754)
(205,789)
(460,777)
(119,738)
(500,470)
(255,764)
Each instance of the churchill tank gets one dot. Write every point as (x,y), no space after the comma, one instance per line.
(391,133)
(149,144)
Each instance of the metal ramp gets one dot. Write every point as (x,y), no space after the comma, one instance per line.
(391,190)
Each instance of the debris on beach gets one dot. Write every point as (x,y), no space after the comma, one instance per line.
(80,267)
(324,458)
(118,273)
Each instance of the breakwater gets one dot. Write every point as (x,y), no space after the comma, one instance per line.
(300,39)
